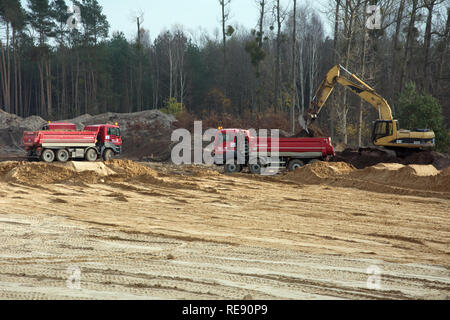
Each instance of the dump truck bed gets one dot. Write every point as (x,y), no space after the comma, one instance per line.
(59,138)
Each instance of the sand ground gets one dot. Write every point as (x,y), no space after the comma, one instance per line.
(194,233)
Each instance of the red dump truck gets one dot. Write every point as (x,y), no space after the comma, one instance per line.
(238,148)
(62,141)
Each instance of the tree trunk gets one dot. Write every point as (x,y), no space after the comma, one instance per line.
(41,77)
(363,72)
(336,32)
(335,60)
(350,33)
(445,45)
(49,87)
(279,103)
(395,46)
(294,61)
(223,4)
(427,44)
(409,40)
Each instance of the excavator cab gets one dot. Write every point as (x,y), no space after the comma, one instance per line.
(384,128)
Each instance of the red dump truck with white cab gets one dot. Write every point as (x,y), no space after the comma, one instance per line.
(238,148)
(62,142)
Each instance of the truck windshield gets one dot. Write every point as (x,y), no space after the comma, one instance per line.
(114,132)
(226,137)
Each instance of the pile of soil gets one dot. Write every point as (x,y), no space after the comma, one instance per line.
(98,167)
(422,177)
(36,174)
(8,120)
(383,177)
(317,171)
(365,159)
(130,168)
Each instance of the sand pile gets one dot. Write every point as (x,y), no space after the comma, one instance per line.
(98,167)
(320,170)
(130,168)
(39,173)
(423,177)
(383,177)
(367,158)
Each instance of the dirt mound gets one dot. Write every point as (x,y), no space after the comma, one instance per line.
(361,160)
(36,174)
(423,171)
(320,170)
(421,177)
(130,168)
(98,167)
(7,166)
(446,172)
(8,120)
(367,158)
(383,177)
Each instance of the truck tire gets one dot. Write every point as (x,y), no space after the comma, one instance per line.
(62,155)
(108,154)
(233,168)
(48,155)
(91,155)
(255,168)
(295,164)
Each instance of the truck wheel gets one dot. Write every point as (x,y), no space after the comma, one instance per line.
(295,164)
(48,156)
(233,168)
(91,155)
(255,168)
(62,155)
(108,154)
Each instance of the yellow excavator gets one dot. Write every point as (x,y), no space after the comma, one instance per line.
(386,130)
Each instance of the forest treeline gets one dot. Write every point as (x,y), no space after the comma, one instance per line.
(54,71)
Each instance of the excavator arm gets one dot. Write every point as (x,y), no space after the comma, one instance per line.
(355,85)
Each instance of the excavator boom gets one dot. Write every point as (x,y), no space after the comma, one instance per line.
(357,86)
(386,132)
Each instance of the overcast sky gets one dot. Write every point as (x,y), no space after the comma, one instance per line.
(193,14)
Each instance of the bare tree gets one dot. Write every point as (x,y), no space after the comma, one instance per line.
(409,43)
(224,4)
(430,6)
(395,45)
(294,59)
(444,47)
(351,10)
(139,48)
(280,16)
(363,74)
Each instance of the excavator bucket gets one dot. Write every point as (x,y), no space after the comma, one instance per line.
(303,123)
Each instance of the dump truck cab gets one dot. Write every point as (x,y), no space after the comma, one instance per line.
(108,138)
